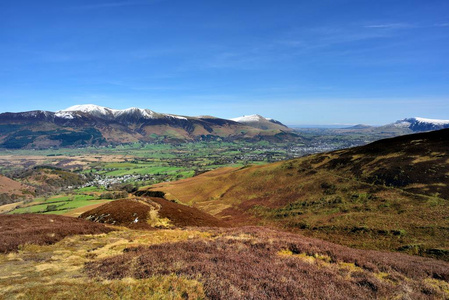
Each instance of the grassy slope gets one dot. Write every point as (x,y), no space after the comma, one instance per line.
(391,194)
(58,204)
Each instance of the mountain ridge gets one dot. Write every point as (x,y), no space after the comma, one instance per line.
(83,125)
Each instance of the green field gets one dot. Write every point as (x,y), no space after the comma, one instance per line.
(161,161)
(57,204)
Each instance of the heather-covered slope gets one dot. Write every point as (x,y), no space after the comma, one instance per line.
(391,194)
(24,229)
(212,263)
(257,263)
(150,213)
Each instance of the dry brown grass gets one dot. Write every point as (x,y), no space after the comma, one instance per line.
(9,186)
(226,263)
(9,207)
(55,271)
(257,263)
(157,287)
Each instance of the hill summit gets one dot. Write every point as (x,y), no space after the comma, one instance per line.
(260,122)
(422,124)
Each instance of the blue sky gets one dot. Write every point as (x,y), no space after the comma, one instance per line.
(301,62)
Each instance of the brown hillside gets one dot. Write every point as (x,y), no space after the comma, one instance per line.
(150,213)
(16,230)
(12,191)
(9,186)
(49,178)
(392,194)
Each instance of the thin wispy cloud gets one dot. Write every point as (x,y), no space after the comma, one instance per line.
(286,47)
(323,38)
(391,26)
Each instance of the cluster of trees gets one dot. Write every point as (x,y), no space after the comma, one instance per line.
(9,198)
(114,195)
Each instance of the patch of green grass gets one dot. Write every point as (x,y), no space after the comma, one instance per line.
(143,171)
(90,189)
(57,204)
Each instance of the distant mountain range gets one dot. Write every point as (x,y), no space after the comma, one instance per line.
(409,125)
(83,125)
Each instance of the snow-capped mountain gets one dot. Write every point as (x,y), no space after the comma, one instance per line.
(260,122)
(104,112)
(94,110)
(91,124)
(250,118)
(422,124)
(131,114)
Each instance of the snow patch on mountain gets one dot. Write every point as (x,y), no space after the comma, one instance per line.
(144,113)
(250,118)
(65,115)
(90,108)
(432,121)
(104,112)
(402,123)
(111,114)
(177,117)
(408,121)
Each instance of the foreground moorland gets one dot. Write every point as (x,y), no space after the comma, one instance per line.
(200,263)
(391,194)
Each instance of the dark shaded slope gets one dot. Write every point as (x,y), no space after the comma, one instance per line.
(182,215)
(417,162)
